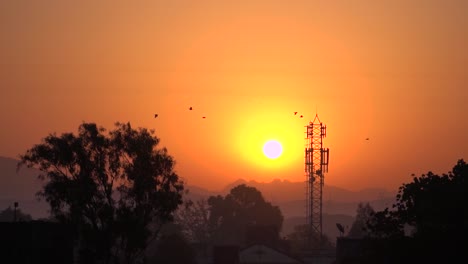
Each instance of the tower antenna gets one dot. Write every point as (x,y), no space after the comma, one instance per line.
(316,164)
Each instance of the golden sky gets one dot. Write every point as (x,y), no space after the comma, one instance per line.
(393,71)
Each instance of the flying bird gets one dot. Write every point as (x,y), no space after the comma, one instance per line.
(204,117)
(301,116)
(367,138)
(295,113)
(155,115)
(190,108)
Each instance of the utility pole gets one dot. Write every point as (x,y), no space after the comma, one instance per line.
(14,212)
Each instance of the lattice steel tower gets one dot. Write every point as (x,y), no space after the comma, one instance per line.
(316,164)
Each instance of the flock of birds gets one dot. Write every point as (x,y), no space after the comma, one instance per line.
(191,108)
(295,113)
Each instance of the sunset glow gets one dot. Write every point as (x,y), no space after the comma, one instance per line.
(253,71)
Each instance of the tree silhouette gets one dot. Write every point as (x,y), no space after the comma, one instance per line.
(115,189)
(364,213)
(193,218)
(385,224)
(435,207)
(244,206)
(433,204)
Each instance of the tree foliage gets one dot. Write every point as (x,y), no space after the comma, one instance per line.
(364,213)
(193,218)
(433,204)
(230,216)
(117,189)
(435,207)
(385,224)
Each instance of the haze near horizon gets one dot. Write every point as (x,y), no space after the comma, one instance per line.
(392,72)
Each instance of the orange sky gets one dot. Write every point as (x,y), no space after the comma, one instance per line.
(393,71)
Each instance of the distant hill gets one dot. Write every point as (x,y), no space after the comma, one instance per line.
(289,196)
(284,190)
(297,207)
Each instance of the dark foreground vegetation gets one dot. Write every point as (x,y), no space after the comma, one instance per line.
(427,223)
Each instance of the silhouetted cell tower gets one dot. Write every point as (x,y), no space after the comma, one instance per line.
(316,164)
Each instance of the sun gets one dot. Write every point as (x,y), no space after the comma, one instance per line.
(272,149)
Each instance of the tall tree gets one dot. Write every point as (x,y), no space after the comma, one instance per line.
(117,189)
(364,213)
(244,206)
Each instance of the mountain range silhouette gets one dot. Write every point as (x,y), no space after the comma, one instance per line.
(339,204)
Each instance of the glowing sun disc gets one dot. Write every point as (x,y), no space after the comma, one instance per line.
(272,149)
